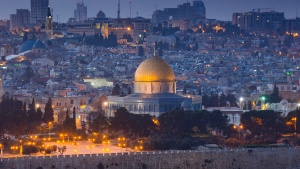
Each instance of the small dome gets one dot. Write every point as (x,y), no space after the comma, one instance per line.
(187,105)
(27,45)
(284,102)
(39,45)
(154,69)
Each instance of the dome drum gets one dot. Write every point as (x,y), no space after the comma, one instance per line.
(154,87)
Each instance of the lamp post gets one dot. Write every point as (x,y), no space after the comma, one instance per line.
(295,124)
(241,101)
(122,143)
(21,147)
(75,144)
(1,153)
(239,127)
(263,103)
(49,126)
(91,146)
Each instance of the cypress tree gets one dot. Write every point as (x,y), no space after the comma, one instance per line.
(48,115)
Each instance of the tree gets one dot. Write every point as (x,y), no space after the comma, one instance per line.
(69,124)
(128,37)
(39,114)
(31,113)
(274,97)
(116,90)
(48,115)
(141,51)
(100,123)
(218,120)
(263,122)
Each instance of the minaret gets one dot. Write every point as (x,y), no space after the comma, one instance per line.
(130,8)
(49,24)
(119,10)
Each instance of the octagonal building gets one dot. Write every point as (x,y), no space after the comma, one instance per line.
(154,91)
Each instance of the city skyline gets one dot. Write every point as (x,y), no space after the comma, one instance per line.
(214,9)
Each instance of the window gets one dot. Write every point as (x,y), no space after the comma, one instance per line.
(72,101)
(150,108)
(135,108)
(130,107)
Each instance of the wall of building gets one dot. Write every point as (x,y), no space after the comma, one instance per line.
(217,159)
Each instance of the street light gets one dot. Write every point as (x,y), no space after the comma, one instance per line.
(263,98)
(239,127)
(21,147)
(295,124)
(75,144)
(1,153)
(241,100)
(49,126)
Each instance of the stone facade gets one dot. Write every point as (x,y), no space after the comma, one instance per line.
(283,158)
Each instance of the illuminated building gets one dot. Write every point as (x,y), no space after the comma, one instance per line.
(154,91)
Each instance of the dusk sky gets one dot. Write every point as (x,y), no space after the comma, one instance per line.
(217,9)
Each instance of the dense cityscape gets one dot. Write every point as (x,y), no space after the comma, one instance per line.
(177,81)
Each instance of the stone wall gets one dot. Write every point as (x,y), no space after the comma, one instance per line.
(272,158)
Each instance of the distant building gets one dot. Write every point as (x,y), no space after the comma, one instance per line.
(49,24)
(257,19)
(39,10)
(4,25)
(101,14)
(20,19)
(80,13)
(184,11)
(292,25)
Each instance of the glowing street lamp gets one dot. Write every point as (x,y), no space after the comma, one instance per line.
(49,126)
(239,127)
(1,153)
(241,101)
(294,119)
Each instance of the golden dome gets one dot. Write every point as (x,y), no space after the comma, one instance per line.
(154,69)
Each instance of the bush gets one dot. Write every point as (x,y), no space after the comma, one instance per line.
(54,148)
(296,141)
(48,151)
(232,142)
(29,149)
